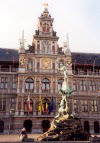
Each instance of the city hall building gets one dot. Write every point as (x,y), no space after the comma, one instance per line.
(32,74)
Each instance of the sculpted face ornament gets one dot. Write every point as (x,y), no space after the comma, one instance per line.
(22,61)
(69,62)
(46,63)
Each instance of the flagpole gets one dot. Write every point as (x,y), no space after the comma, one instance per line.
(2,101)
(29,101)
(13,71)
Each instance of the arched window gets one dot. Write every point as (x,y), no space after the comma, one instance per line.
(29,84)
(45,85)
(96,127)
(86,127)
(46,27)
(45,125)
(60,81)
(28,125)
(26,107)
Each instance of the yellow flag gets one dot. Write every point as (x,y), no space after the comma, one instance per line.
(40,107)
(46,107)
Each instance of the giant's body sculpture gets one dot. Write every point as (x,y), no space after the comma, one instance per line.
(65,125)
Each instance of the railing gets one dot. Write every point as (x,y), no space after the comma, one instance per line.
(28,70)
(8,69)
(86,73)
(44,71)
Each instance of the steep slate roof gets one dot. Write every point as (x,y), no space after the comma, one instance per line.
(8,55)
(86,59)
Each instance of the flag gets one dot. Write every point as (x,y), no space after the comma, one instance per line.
(40,106)
(51,106)
(28,104)
(46,107)
(2,101)
(45,4)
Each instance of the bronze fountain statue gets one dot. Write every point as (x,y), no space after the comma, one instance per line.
(65,125)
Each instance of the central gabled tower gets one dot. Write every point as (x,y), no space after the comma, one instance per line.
(45,39)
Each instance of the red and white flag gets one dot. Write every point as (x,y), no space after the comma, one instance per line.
(28,104)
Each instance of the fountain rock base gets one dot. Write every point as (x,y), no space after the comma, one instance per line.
(66,128)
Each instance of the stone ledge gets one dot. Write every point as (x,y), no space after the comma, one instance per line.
(52,142)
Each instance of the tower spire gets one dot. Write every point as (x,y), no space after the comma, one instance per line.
(66,49)
(22,43)
(67,41)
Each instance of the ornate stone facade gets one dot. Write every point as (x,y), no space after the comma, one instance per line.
(33,73)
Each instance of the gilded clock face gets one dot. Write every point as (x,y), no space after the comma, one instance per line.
(69,62)
(22,60)
(46,63)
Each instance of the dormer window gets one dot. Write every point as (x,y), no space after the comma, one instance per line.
(46,27)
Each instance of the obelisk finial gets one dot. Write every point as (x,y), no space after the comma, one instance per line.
(22,42)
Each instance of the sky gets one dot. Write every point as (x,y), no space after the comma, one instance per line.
(79,18)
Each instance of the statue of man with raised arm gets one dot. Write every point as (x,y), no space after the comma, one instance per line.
(66,92)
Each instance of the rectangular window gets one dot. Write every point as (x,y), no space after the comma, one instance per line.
(92,85)
(26,86)
(75,106)
(94,106)
(2,103)
(31,85)
(38,65)
(12,104)
(84,105)
(82,85)
(4,83)
(14,85)
(53,66)
(14,82)
(75,85)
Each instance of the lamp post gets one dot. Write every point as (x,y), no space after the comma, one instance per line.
(10,115)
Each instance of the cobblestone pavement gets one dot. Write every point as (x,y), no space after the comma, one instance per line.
(15,138)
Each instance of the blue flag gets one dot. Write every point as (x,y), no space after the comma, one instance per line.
(51,106)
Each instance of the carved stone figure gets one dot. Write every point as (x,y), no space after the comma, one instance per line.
(66,92)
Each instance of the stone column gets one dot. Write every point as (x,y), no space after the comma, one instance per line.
(51,86)
(16,112)
(18,85)
(23,87)
(56,85)
(56,111)
(22,106)
(7,106)
(34,107)
(40,86)
(34,84)
(9,85)
(10,68)
(35,65)
(72,105)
